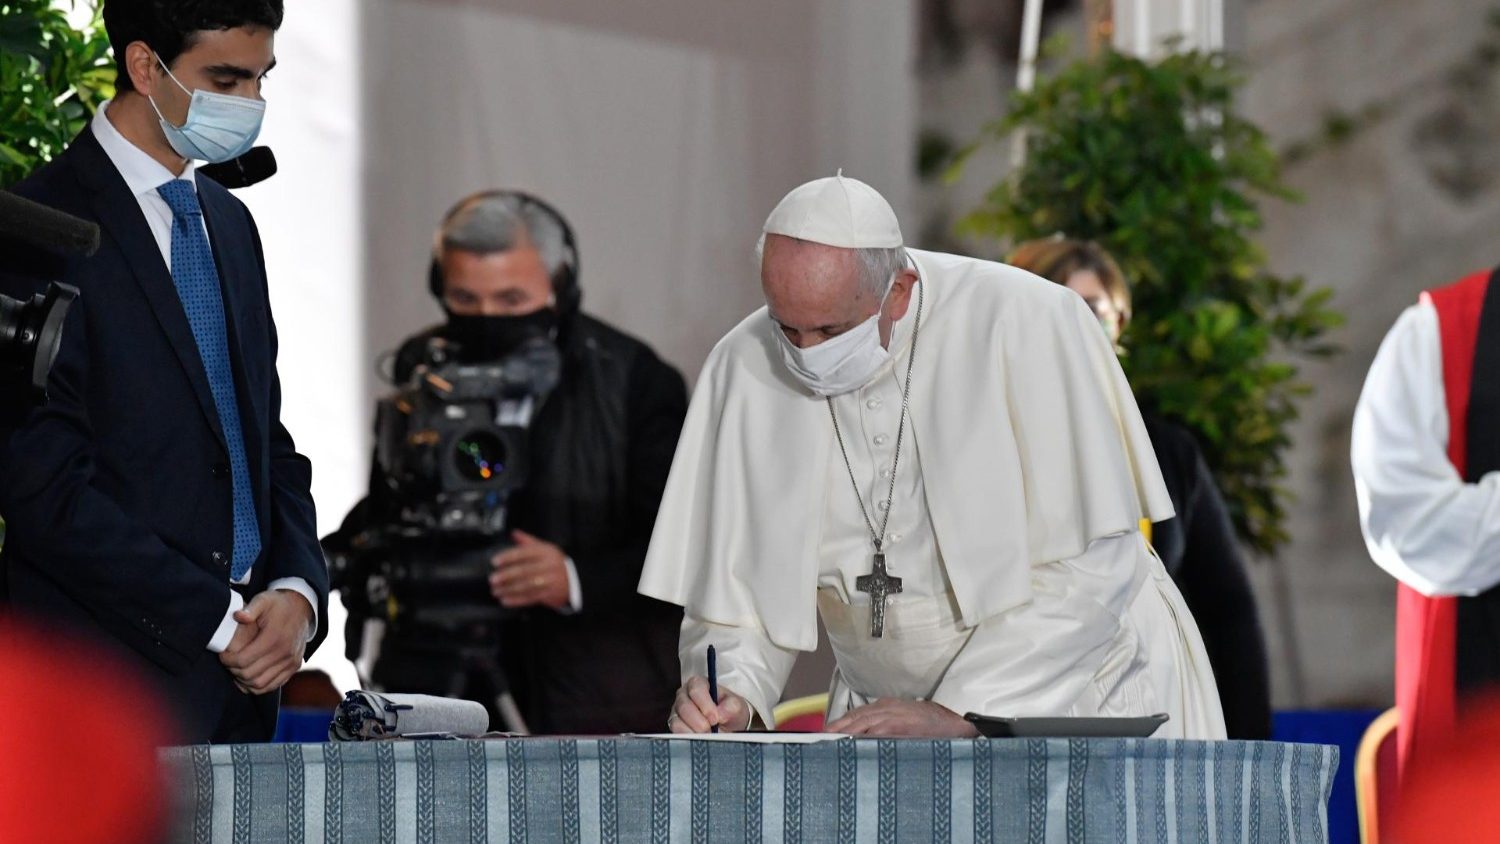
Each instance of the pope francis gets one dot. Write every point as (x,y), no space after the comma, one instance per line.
(941,457)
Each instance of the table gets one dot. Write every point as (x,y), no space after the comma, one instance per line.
(1342,728)
(636,789)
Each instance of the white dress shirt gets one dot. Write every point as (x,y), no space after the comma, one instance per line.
(143,175)
(1421,521)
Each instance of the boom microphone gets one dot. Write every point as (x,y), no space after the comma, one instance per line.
(253,167)
(34,224)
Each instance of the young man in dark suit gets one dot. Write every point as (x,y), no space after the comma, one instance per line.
(156,502)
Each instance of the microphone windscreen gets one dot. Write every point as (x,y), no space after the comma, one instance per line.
(253,167)
(47,228)
(430,714)
(365,715)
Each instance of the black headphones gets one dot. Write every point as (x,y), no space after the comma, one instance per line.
(564,280)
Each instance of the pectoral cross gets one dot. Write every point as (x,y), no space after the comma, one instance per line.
(880,586)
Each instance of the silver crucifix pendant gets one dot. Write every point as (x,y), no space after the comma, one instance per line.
(880,586)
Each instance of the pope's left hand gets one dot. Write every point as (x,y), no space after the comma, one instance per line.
(532,572)
(893,717)
(282,622)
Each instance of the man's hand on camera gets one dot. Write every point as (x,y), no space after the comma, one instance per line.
(532,573)
(267,647)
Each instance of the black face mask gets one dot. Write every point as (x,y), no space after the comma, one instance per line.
(487,338)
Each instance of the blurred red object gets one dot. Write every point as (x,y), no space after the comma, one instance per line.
(78,743)
(1453,795)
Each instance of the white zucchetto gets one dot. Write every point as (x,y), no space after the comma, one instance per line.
(836,211)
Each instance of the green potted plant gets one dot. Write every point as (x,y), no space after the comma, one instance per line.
(1151,160)
(52,78)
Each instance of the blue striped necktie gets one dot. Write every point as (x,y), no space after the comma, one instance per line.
(197,280)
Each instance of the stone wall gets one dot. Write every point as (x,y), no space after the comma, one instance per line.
(1408,200)
(1411,200)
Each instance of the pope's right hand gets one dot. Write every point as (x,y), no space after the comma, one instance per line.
(694,710)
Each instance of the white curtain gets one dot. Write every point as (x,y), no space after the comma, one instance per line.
(665,130)
(310,223)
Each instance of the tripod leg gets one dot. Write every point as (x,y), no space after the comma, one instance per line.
(505,702)
(511,714)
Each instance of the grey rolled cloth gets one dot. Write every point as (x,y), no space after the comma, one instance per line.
(366,715)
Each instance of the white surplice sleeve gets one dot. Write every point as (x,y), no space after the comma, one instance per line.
(749,663)
(1038,658)
(1421,522)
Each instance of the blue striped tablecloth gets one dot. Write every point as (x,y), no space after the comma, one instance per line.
(630,789)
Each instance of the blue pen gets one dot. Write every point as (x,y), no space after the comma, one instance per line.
(713,679)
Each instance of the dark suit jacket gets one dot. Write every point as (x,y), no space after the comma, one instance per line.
(1200,551)
(117,493)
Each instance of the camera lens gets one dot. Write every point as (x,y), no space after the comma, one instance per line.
(479,456)
(31,333)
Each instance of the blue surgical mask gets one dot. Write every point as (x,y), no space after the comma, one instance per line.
(218,126)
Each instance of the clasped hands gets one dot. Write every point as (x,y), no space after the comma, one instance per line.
(695,712)
(273,632)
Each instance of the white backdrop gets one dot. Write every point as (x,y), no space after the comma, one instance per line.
(310,223)
(664,129)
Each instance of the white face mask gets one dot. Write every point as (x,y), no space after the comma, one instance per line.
(218,127)
(839,364)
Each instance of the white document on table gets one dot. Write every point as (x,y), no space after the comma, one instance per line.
(749,738)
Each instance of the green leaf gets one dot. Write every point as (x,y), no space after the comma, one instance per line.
(52,77)
(13,155)
(1152,160)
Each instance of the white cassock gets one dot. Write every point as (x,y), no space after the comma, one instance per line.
(1025,471)
(1421,521)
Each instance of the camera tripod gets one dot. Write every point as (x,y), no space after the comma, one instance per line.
(433,661)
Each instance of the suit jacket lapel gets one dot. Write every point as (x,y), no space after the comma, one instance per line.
(120,218)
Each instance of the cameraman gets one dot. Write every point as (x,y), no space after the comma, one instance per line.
(583,653)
